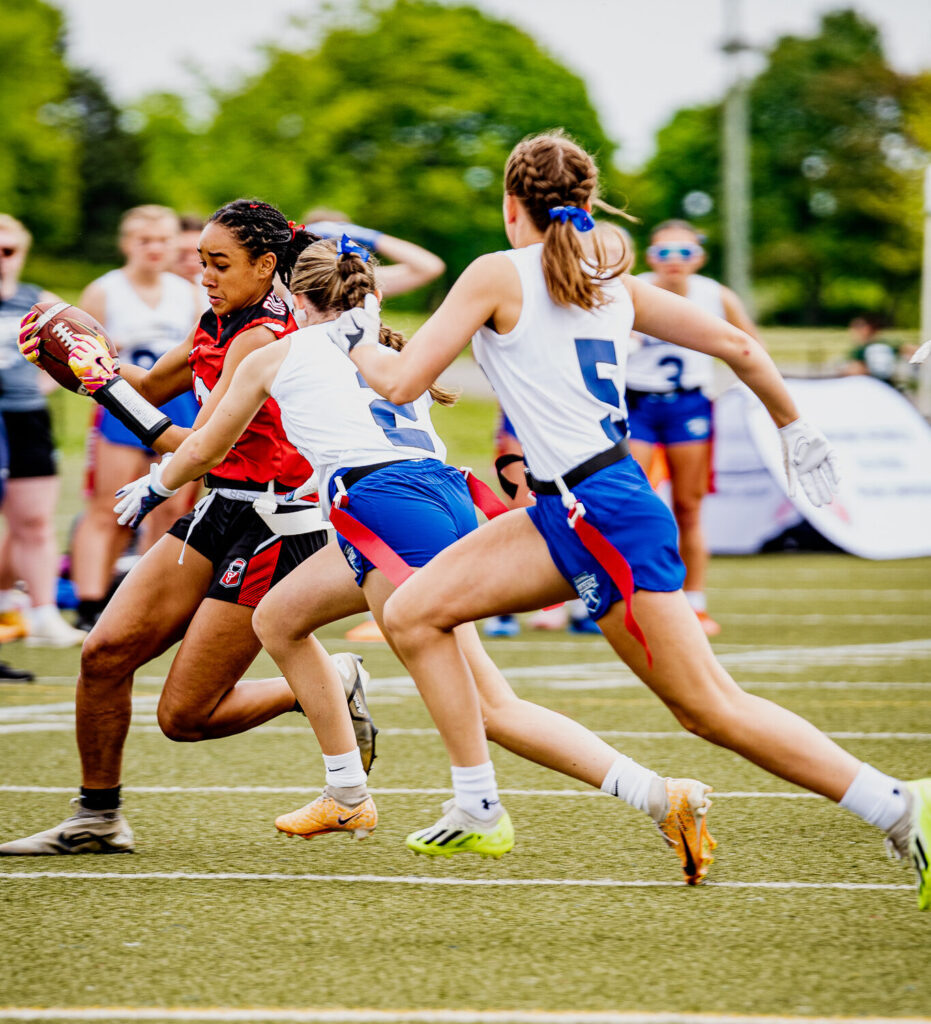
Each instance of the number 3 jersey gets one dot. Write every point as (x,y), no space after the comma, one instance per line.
(662,367)
(559,374)
(336,420)
(263,452)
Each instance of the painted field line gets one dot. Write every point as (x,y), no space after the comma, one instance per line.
(332,1015)
(428,880)
(391,791)
(793,594)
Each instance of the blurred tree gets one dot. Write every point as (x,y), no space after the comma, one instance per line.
(39,174)
(401,115)
(835,170)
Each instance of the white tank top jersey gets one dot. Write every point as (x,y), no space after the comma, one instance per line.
(140,332)
(559,374)
(336,421)
(660,366)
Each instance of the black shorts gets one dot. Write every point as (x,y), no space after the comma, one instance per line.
(32,450)
(248,559)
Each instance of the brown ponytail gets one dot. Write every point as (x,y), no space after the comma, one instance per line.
(335,282)
(546,171)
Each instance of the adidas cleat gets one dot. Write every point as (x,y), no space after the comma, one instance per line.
(86,831)
(910,837)
(355,680)
(325,814)
(458,832)
(685,828)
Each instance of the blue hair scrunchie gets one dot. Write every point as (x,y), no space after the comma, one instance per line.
(581,219)
(345,247)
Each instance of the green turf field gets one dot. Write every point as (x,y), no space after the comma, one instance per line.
(217,917)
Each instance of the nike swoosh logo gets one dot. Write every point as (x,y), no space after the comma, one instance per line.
(354,339)
(345,821)
(689,859)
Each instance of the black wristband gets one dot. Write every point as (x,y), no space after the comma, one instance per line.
(119,397)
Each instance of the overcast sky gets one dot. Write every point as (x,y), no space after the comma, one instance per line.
(641,59)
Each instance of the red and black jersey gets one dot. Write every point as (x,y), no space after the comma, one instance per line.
(263,452)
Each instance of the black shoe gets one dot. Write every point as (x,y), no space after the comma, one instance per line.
(15,675)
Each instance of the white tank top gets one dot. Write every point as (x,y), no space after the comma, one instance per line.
(335,420)
(143,334)
(559,374)
(660,366)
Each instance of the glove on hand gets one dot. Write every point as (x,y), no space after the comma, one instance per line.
(359,326)
(90,361)
(28,339)
(810,460)
(137,499)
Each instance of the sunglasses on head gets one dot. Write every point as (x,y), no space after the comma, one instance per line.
(7,251)
(663,253)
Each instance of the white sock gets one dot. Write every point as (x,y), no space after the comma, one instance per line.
(43,615)
(476,790)
(577,609)
(876,798)
(344,770)
(630,781)
(697,600)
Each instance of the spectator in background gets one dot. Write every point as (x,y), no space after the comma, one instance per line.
(28,553)
(146,310)
(187,263)
(875,356)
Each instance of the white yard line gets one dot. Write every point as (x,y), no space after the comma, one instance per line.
(429,1016)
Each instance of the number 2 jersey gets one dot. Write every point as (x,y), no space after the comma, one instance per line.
(559,374)
(263,453)
(662,367)
(336,420)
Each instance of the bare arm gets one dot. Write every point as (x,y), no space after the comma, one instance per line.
(735,313)
(207,445)
(473,300)
(412,266)
(664,315)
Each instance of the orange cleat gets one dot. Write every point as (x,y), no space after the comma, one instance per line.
(325,815)
(13,625)
(708,624)
(685,827)
(367,632)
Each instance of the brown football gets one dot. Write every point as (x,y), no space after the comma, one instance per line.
(57,324)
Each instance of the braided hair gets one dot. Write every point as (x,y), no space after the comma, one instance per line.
(545,171)
(334,282)
(260,228)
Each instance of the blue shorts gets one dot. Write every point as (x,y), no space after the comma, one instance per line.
(182,411)
(417,507)
(666,418)
(620,502)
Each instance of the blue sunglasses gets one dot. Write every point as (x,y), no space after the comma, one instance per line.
(664,253)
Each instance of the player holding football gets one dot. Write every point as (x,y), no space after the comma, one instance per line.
(202,580)
(551,333)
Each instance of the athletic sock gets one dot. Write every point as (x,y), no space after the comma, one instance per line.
(632,783)
(697,600)
(100,799)
(44,614)
(877,798)
(343,770)
(476,790)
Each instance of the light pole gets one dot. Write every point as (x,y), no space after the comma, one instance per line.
(735,161)
(924,372)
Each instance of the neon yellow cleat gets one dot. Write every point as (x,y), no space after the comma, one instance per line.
(325,815)
(685,827)
(458,832)
(919,838)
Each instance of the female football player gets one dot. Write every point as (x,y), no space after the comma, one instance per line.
(385,463)
(202,580)
(666,396)
(551,333)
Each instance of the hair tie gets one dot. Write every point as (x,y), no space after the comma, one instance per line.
(344,247)
(581,219)
(295,228)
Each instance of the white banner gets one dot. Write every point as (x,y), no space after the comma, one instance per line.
(883,508)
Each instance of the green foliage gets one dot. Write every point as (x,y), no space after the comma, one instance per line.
(39,175)
(402,117)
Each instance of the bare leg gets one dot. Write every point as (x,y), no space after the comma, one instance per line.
(147,615)
(29,507)
(689,466)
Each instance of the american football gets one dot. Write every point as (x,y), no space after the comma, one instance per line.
(57,324)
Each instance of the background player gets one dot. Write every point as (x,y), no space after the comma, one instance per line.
(548,331)
(667,401)
(202,580)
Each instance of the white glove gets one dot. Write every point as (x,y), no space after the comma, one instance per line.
(138,498)
(359,326)
(809,459)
